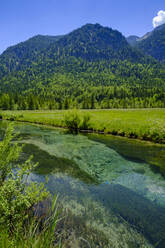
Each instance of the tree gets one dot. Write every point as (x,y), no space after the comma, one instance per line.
(66,103)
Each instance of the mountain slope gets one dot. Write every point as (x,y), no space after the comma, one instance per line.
(90,42)
(94,42)
(21,55)
(153,43)
(49,54)
(91,66)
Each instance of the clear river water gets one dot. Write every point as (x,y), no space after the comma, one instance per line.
(111,189)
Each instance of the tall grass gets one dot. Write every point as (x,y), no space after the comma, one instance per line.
(35,233)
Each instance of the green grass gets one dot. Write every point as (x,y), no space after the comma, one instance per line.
(144,124)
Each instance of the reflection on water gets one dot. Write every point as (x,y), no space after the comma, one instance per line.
(113,195)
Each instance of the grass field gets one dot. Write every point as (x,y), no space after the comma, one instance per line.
(145,124)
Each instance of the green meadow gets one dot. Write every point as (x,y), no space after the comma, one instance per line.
(144,124)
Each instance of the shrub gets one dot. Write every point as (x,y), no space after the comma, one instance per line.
(84,125)
(72,120)
(18,225)
(16,197)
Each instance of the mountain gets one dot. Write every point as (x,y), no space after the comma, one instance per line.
(90,42)
(152,43)
(132,39)
(94,42)
(18,56)
(93,66)
(144,36)
(48,54)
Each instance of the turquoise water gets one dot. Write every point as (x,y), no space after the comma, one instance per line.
(111,190)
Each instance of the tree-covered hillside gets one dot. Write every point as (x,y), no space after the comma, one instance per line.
(92,67)
(93,43)
(21,55)
(153,43)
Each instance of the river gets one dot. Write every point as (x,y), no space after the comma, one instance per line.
(111,189)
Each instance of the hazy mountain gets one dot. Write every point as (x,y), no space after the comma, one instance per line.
(132,39)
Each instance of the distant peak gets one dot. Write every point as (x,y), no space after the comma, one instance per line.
(92,25)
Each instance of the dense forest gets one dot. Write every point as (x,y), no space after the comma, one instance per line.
(92,67)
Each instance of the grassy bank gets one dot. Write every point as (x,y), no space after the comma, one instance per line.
(144,124)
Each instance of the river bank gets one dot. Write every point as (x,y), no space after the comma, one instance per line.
(142,124)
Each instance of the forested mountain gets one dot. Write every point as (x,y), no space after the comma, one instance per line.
(153,43)
(91,67)
(91,42)
(21,55)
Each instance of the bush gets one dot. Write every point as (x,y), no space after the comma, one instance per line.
(18,225)
(84,125)
(72,120)
(36,233)
(16,197)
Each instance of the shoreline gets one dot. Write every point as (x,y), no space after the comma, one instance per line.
(134,124)
(87,131)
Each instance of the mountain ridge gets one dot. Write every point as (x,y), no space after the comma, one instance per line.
(91,66)
(90,42)
(152,43)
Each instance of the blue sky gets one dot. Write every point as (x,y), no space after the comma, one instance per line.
(22,19)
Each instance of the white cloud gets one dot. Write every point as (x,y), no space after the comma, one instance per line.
(159,19)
